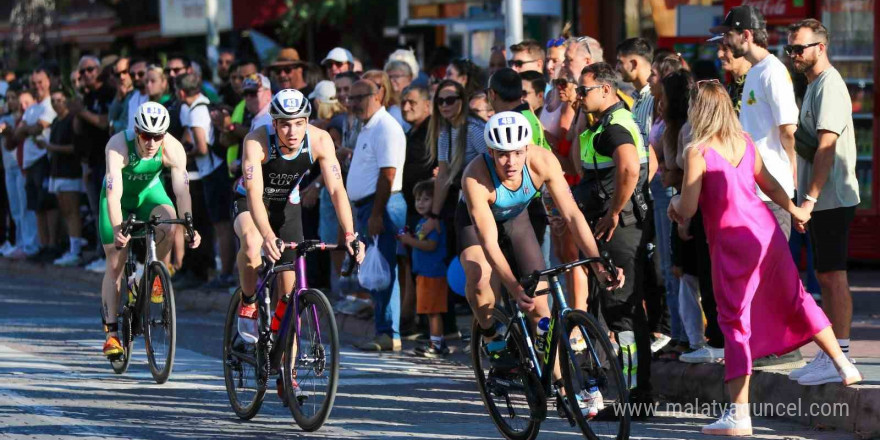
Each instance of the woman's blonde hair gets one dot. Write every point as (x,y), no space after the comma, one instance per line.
(327,110)
(712,116)
(383,82)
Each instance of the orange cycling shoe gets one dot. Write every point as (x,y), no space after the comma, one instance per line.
(158,294)
(113,347)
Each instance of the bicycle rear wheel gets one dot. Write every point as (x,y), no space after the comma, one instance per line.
(160,321)
(510,397)
(239,367)
(593,366)
(315,365)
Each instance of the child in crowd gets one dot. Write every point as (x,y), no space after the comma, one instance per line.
(428,255)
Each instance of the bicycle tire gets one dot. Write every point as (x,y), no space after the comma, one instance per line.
(311,360)
(606,372)
(168,323)
(233,365)
(529,430)
(120,363)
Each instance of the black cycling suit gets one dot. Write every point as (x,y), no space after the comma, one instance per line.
(281,178)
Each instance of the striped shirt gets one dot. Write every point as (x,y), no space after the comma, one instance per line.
(643,112)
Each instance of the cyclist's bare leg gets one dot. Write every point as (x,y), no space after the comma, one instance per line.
(478,285)
(164,233)
(249,257)
(566,250)
(111,283)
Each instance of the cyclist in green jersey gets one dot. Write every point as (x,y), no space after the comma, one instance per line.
(133,184)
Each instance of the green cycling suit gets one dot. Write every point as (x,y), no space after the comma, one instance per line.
(142,189)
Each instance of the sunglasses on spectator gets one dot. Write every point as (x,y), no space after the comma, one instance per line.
(358,98)
(120,74)
(285,69)
(174,70)
(562,82)
(250,93)
(583,90)
(519,63)
(89,69)
(555,42)
(150,137)
(797,49)
(138,74)
(449,100)
(334,63)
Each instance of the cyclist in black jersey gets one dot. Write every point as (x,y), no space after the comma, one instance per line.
(268,204)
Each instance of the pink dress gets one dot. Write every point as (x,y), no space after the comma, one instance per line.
(763,308)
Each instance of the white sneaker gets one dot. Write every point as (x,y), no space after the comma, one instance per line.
(68,259)
(705,355)
(826,372)
(660,343)
(806,369)
(9,252)
(590,403)
(97,266)
(729,425)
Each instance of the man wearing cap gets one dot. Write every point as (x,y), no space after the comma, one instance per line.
(257,91)
(286,71)
(337,61)
(736,67)
(769,111)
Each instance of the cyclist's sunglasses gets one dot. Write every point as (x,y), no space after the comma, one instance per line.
(150,137)
(797,49)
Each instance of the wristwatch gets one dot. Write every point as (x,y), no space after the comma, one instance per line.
(811,198)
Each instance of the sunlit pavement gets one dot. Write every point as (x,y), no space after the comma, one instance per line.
(54,383)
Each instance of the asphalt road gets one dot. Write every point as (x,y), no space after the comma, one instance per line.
(55,383)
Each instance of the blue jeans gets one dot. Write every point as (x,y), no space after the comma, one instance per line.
(25,221)
(663,227)
(796,243)
(386,302)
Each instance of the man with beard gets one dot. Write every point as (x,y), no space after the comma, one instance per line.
(769,111)
(737,68)
(287,71)
(137,71)
(826,161)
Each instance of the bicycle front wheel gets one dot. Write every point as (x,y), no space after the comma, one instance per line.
(311,361)
(243,386)
(510,397)
(159,320)
(590,369)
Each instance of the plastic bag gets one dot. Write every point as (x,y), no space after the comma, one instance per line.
(375,274)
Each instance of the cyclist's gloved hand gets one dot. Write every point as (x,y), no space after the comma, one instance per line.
(523,301)
(196,239)
(270,248)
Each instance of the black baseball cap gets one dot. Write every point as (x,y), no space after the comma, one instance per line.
(741,17)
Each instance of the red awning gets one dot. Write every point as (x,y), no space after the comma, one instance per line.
(249,13)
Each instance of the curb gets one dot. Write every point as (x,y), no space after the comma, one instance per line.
(688,383)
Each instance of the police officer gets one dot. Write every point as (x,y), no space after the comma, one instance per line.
(614,170)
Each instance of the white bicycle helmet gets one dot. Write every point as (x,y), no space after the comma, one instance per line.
(508,131)
(152,118)
(290,104)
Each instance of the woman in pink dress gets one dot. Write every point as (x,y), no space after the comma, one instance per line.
(762,306)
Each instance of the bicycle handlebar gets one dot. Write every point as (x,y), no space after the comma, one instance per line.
(307,246)
(530,282)
(131,223)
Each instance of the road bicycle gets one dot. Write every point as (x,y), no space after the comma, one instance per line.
(305,350)
(517,398)
(138,314)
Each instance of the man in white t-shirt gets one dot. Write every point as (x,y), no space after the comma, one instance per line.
(138,73)
(35,163)
(195,116)
(769,111)
(374,183)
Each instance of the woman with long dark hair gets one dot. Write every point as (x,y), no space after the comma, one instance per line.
(466,73)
